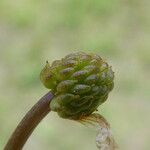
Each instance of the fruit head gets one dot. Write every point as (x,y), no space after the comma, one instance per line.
(80,83)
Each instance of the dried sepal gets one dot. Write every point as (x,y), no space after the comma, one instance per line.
(104,138)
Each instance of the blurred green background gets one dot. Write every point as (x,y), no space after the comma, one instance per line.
(33,31)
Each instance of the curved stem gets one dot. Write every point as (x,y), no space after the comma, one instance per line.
(29,123)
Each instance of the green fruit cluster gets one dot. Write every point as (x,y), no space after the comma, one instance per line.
(80,83)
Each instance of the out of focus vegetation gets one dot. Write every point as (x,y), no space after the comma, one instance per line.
(33,31)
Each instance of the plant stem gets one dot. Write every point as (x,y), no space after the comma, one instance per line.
(29,123)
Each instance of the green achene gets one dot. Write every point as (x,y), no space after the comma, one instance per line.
(80,82)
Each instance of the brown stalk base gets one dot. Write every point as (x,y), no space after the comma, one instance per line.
(29,123)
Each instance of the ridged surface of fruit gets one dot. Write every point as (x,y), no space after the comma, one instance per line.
(80,83)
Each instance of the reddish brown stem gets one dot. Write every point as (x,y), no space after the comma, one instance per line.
(29,123)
